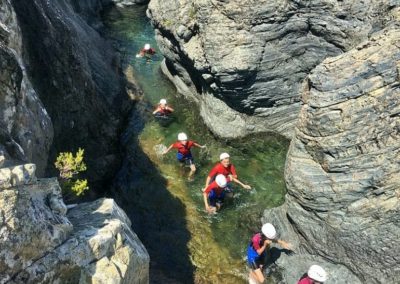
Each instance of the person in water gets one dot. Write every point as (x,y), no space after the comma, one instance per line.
(184,155)
(146,51)
(214,193)
(163,109)
(225,168)
(315,275)
(257,250)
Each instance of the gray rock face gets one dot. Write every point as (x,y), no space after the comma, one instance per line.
(26,131)
(123,3)
(244,61)
(77,76)
(41,243)
(343,200)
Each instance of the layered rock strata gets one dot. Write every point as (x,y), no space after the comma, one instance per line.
(343,201)
(244,61)
(41,243)
(26,131)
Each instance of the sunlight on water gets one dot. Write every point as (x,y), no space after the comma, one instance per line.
(217,243)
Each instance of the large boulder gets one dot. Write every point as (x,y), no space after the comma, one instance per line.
(343,201)
(244,61)
(41,243)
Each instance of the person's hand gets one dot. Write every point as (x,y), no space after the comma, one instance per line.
(246,186)
(204,146)
(286,245)
(165,152)
(210,210)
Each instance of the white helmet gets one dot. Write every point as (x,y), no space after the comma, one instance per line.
(317,273)
(269,231)
(182,136)
(147,46)
(223,156)
(163,101)
(221,180)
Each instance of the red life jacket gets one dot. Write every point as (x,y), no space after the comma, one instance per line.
(163,111)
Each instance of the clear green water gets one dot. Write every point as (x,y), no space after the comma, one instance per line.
(185,244)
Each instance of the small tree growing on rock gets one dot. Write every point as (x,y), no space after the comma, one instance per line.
(70,166)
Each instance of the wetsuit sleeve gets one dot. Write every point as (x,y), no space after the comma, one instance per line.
(213,172)
(256,242)
(233,170)
(175,145)
(210,187)
(190,144)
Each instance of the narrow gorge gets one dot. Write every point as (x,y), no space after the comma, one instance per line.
(304,95)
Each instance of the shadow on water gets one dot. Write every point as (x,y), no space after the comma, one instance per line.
(157,216)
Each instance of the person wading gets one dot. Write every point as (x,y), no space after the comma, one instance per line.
(257,251)
(147,51)
(225,168)
(214,193)
(163,109)
(315,275)
(184,154)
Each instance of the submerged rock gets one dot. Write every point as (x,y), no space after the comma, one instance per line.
(243,62)
(343,200)
(41,243)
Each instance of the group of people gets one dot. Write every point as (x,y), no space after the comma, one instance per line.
(217,187)
(218,181)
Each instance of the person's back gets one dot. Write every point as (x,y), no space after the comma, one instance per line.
(305,280)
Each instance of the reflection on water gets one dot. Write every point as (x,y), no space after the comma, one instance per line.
(185,244)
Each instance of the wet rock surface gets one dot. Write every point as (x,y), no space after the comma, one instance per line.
(244,62)
(41,243)
(343,200)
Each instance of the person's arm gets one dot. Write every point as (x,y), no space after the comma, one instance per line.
(233,171)
(169,148)
(264,246)
(205,195)
(246,186)
(207,182)
(283,244)
(198,145)
(156,110)
(170,109)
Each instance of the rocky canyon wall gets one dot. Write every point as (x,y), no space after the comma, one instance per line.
(26,131)
(342,169)
(78,95)
(244,61)
(77,76)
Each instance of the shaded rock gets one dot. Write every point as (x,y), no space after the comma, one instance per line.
(122,3)
(26,131)
(40,243)
(78,78)
(343,200)
(257,52)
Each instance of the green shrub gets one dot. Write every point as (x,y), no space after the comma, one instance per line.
(69,167)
